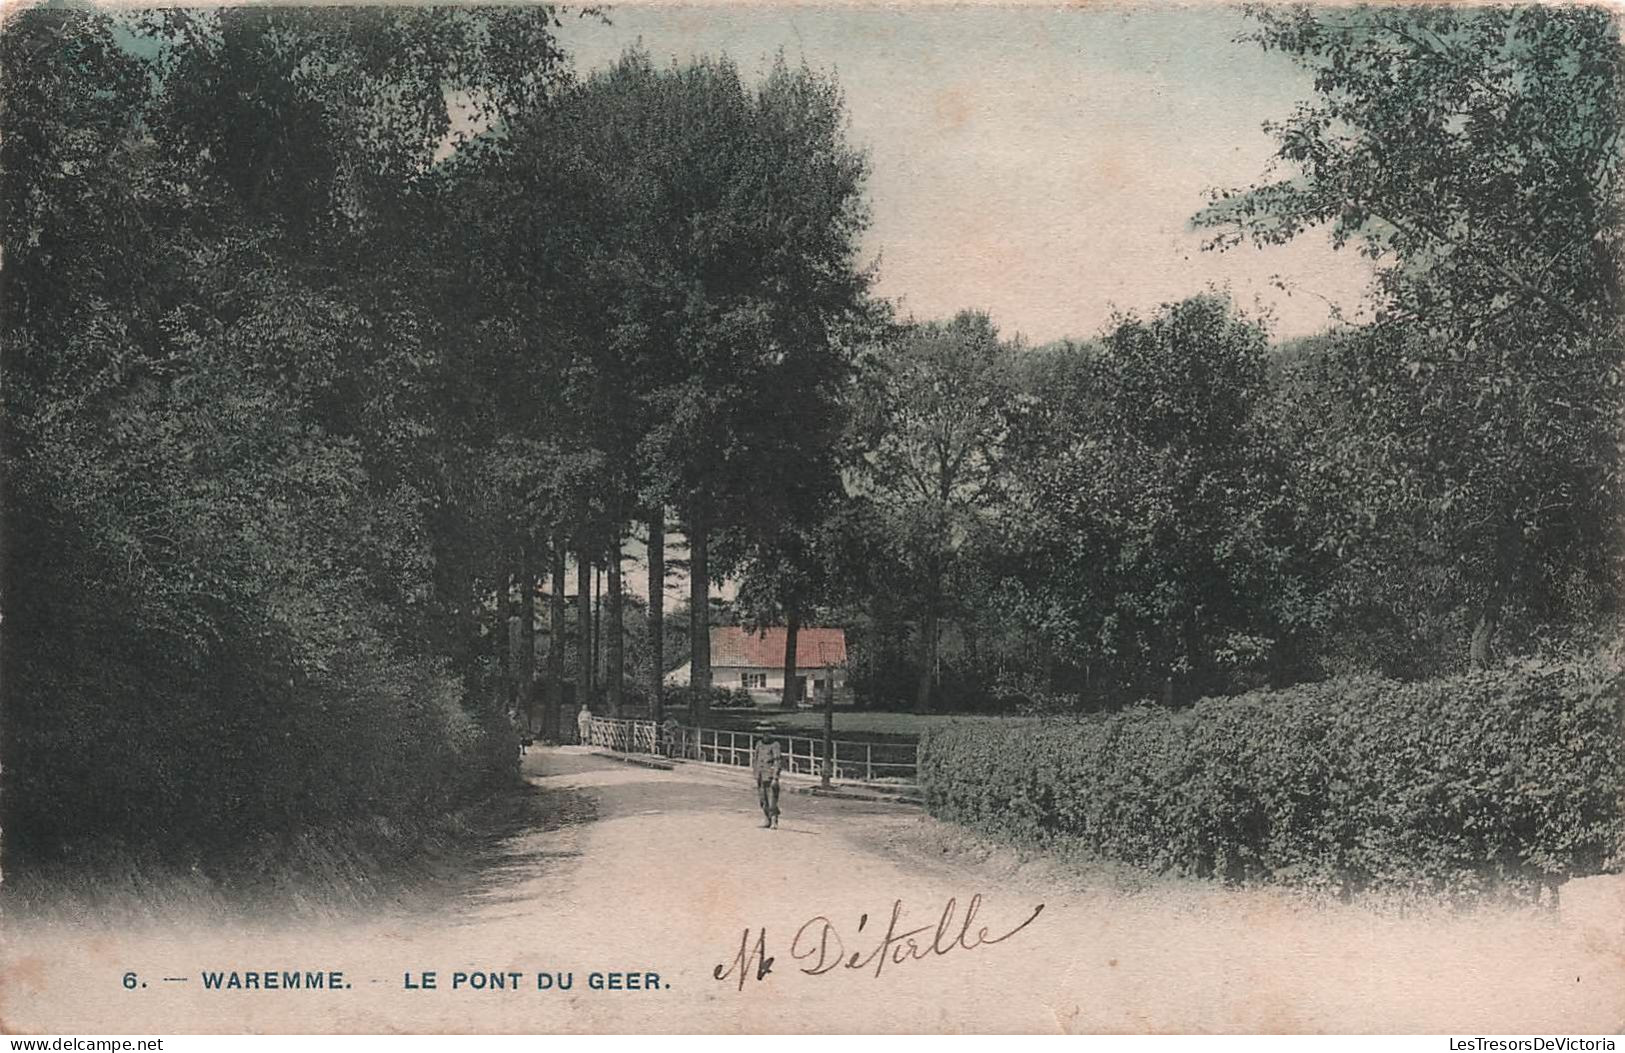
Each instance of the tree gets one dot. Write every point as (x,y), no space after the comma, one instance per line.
(933,424)
(731,260)
(789,569)
(226,492)
(1475,155)
(1152,532)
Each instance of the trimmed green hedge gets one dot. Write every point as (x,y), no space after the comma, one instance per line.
(1446,785)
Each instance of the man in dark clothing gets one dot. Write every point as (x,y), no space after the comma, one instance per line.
(765,763)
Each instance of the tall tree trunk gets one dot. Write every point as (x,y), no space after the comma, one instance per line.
(699,610)
(555,641)
(657,612)
(928,652)
(468,644)
(502,639)
(614,644)
(1197,674)
(583,629)
(792,685)
(1168,659)
(527,635)
(1481,651)
(597,629)
(1505,555)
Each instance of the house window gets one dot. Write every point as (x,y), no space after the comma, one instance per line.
(758,680)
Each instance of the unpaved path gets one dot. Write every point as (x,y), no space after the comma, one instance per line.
(663,872)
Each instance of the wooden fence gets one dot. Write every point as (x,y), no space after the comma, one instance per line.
(853,761)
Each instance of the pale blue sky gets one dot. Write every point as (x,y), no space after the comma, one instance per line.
(1038,162)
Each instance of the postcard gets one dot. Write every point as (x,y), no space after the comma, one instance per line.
(797,518)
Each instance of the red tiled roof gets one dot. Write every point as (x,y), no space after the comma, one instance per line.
(815,648)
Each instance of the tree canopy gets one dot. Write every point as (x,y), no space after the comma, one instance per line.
(1475,154)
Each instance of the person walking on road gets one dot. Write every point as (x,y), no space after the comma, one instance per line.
(584,725)
(765,764)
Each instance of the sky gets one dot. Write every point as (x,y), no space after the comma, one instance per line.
(1037,162)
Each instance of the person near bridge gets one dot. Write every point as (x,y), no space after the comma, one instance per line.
(765,763)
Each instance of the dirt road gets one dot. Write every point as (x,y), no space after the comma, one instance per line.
(634,872)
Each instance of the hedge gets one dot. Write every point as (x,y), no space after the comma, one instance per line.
(1453,785)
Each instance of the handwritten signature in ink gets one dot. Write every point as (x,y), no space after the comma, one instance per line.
(818,946)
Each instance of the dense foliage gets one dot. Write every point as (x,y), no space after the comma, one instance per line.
(1474,154)
(326,331)
(218,524)
(1514,778)
(1177,507)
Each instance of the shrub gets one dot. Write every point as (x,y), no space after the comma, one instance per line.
(1514,777)
(719,697)
(371,735)
(739,698)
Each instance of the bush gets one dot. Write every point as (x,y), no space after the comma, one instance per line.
(372,735)
(1514,777)
(719,697)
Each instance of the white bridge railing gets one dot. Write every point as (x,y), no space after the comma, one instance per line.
(624,736)
(853,761)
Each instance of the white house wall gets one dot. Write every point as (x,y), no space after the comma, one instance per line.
(733,676)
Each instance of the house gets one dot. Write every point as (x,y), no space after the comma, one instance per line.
(755,661)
